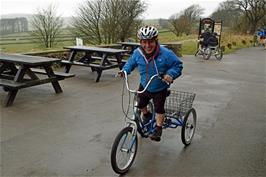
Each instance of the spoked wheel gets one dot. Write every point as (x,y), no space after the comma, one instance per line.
(124,150)
(219,53)
(197,53)
(207,53)
(188,127)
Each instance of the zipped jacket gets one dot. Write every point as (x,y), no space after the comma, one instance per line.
(166,62)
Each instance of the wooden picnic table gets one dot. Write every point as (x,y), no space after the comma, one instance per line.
(20,71)
(97,58)
(129,46)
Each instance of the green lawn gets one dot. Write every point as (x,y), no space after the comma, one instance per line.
(32,47)
(189,42)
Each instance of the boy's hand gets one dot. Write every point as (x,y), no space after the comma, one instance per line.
(121,73)
(168,78)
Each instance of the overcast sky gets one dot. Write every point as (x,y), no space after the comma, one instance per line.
(156,8)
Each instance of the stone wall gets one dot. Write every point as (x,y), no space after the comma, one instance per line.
(176,47)
(64,54)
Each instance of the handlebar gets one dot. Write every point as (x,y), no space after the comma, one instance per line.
(147,85)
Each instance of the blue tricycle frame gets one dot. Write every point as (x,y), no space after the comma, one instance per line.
(179,113)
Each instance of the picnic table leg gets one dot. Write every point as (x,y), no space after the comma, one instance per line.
(10,97)
(86,58)
(119,61)
(71,58)
(99,72)
(32,75)
(55,84)
(12,93)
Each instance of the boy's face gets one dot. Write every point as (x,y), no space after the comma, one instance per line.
(148,45)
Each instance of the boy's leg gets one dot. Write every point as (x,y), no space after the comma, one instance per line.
(159,119)
(159,100)
(144,99)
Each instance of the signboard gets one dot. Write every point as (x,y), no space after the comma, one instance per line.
(218,28)
(79,42)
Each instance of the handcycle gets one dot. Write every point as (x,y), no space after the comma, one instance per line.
(179,112)
(208,51)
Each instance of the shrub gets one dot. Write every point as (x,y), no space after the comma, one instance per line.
(234,43)
(244,42)
(229,45)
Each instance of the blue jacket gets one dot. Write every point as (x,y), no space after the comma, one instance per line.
(261,33)
(165,63)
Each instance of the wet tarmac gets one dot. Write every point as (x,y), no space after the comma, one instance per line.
(71,134)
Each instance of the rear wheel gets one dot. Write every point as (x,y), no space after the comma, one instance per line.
(124,150)
(189,126)
(197,53)
(219,53)
(207,53)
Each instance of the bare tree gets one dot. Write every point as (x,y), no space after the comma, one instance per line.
(87,22)
(254,11)
(129,13)
(110,20)
(228,12)
(183,22)
(177,24)
(107,21)
(46,26)
(119,18)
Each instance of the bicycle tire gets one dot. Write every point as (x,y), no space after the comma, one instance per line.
(197,53)
(207,53)
(185,137)
(219,54)
(114,161)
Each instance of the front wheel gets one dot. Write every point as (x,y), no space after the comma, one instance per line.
(124,150)
(189,126)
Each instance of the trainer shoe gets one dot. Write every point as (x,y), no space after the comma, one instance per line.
(156,135)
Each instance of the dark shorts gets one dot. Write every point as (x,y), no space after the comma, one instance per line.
(157,97)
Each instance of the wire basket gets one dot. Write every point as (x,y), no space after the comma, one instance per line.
(178,103)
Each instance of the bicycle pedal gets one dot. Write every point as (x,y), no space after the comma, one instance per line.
(167,121)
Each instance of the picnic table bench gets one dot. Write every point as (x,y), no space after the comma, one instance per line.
(20,71)
(97,58)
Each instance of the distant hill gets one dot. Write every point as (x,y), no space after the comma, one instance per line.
(66,20)
(154,22)
(15,15)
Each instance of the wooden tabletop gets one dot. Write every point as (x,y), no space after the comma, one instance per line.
(130,43)
(26,59)
(95,49)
